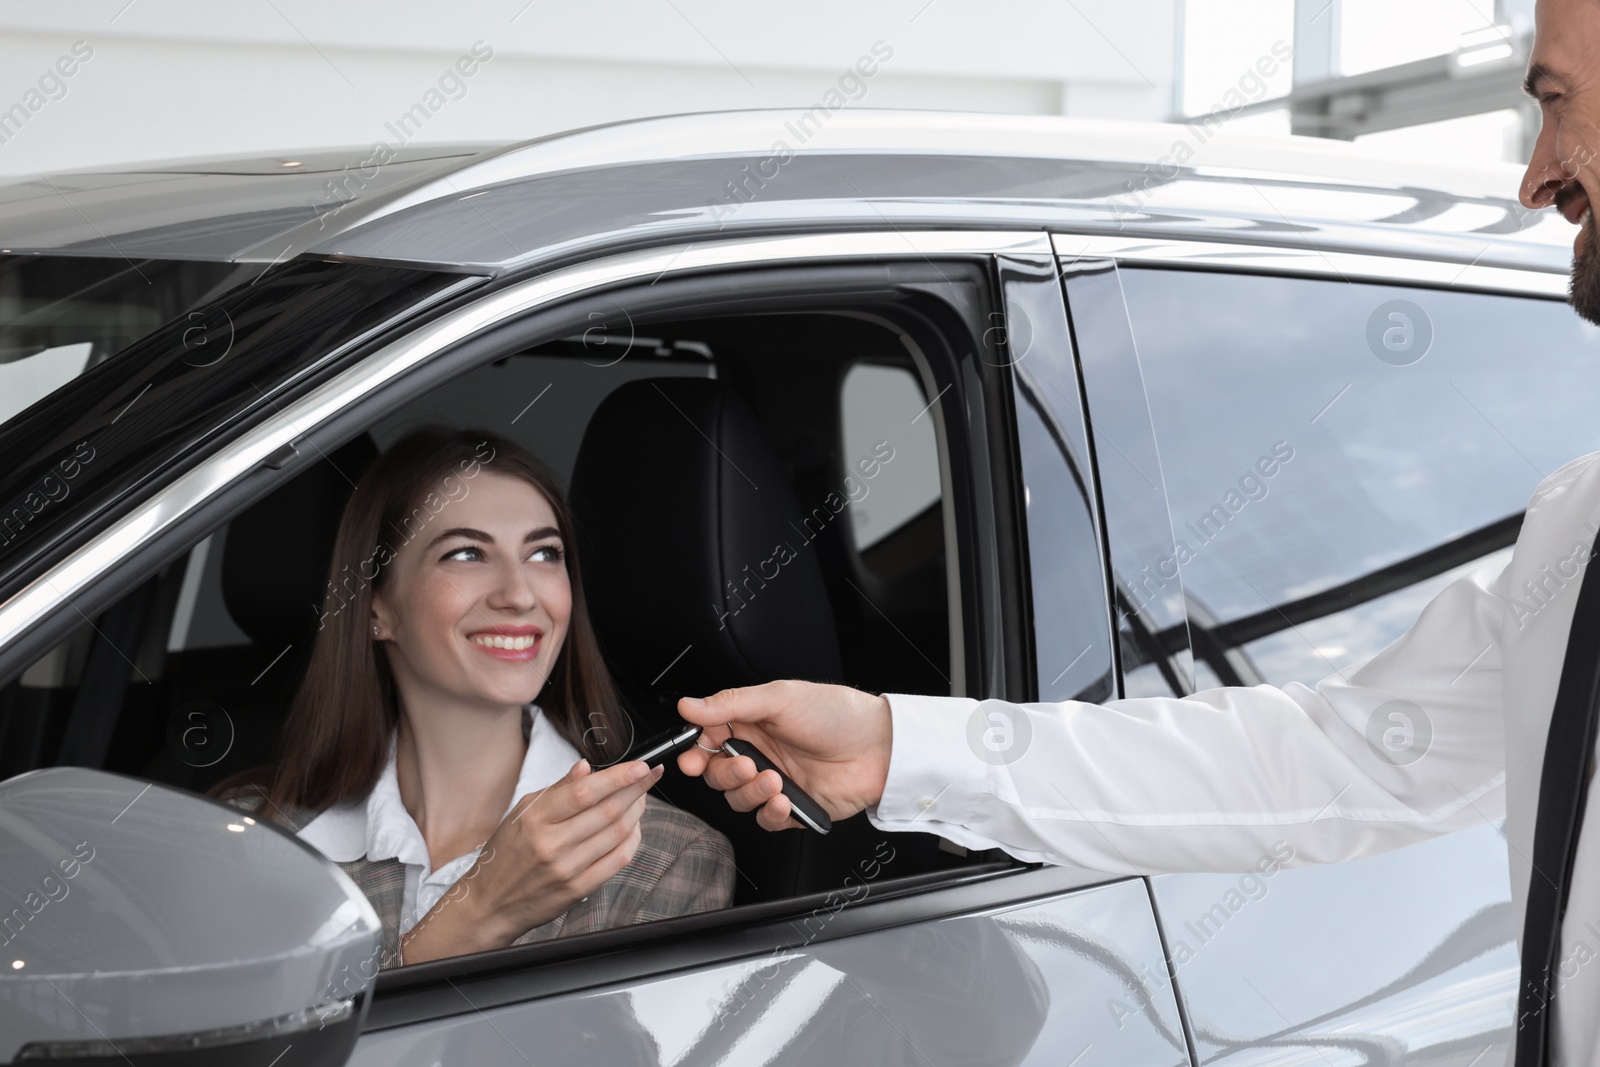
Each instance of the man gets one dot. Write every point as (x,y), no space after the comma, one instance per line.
(1208,782)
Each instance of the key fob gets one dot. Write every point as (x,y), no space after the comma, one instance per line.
(663,747)
(807,811)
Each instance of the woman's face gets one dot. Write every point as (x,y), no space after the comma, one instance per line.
(475,606)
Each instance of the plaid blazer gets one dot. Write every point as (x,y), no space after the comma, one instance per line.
(681,866)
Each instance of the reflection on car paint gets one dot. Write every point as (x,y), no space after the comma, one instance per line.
(1079,975)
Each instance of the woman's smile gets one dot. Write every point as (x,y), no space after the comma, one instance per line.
(515,644)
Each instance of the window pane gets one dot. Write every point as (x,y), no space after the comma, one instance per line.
(881,404)
(1152,630)
(60,315)
(28,378)
(1319,436)
(1073,650)
(163,372)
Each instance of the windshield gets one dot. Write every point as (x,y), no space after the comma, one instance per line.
(60,315)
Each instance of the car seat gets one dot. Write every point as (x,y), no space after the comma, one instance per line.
(700,576)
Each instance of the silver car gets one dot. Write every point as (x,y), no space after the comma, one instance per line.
(1159,420)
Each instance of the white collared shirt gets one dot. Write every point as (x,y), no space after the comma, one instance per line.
(380,827)
(1208,782)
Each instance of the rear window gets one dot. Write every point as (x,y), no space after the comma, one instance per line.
(1337,452)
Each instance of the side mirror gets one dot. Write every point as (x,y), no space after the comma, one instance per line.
(141,925)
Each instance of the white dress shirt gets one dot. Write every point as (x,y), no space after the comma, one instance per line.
(1207,782)
(380,827)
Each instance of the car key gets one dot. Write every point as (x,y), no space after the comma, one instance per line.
(656,751)
(808,811)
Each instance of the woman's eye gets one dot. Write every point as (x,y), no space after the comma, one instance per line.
(470,552)
(547,554)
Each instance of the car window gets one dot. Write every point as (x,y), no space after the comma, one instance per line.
(60,315)
(1153,640)
(1335,452)
(883,416)
(1074,658)
(158,379)
(187,679)
(25,378)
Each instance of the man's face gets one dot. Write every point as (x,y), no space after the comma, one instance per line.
(1564,77)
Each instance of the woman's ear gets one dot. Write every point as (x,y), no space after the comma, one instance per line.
(381,620)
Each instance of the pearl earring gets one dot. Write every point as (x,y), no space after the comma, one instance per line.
(375,631)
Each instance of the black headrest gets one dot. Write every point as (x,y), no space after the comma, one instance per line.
(275,558)
(691,538)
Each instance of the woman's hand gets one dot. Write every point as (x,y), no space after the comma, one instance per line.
(833,741)
(554,848)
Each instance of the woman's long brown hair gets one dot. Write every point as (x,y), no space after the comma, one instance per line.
(336,737)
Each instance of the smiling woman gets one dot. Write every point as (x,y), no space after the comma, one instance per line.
(415,755)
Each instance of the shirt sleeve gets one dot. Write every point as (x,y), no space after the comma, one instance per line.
(1406,745)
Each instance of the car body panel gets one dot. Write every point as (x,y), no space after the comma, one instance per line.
(704,175)
(216,210)
(516,223)
(1409,956)
(1077,975)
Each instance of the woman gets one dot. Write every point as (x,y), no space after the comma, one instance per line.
(414,754)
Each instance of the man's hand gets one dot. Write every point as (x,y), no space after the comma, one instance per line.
(831,740)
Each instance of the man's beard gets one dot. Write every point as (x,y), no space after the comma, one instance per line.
(1584,288)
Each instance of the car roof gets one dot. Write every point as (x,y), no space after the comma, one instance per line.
(498,207)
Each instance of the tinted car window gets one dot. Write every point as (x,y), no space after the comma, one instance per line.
(1336,452)
(198,375)
(60,315)
(1073,651)
(217,644)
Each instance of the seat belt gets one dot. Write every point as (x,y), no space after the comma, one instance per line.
(1563,789)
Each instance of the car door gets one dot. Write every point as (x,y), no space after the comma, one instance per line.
(975,960)
(1333,451)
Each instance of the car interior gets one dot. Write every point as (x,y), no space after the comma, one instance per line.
(788,460)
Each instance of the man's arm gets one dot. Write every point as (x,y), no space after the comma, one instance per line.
(1407,745)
